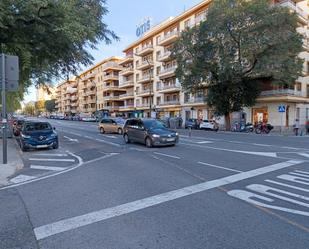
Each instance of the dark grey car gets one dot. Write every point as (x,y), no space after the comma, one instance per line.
(150,132)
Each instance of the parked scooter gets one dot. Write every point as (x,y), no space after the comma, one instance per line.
(242,127)
(263,128)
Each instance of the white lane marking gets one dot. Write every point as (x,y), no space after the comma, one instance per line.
(71,139)
(47,168)
(273,192)
(110,136)
(107,142)
(265,154)
(87,137)
(287,185)
(204,142)
(101,215)
(51,160)
(220,167)
(296,179)
(247,196)
(301,171)
(299,174)
(166,155)
(292,148)
(21,178)
(304,154)
(56,155)
(263,145)
(80,163)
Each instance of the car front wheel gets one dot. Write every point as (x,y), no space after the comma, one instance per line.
(148,142)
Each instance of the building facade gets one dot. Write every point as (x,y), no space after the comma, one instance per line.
(144,84)
(67,97)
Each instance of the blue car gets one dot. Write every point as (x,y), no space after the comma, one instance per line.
(38,135)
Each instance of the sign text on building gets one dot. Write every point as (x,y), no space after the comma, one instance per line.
(143,27)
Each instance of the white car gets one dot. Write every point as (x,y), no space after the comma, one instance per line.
(89,119)
(209,125)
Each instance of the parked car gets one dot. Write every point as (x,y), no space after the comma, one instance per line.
(18,126)
(38,135)
(150,132)
(209,125)
(111,125)
(89,119)
(191,123)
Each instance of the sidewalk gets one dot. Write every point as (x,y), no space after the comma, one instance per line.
(15,162)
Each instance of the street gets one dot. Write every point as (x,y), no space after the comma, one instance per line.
(212,190)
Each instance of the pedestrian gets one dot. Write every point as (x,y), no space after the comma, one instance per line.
(296,127)
(307,127)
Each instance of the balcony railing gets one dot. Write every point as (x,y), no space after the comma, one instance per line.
(126,106)
(194,100)
(110,77)
(128,94)
(167,87)
(168,36)
(281,92)
(170,102)
(126,83)
(145,49)
(110,65)
(164,56)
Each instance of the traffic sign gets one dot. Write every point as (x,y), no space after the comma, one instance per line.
(11,73)
(281,108)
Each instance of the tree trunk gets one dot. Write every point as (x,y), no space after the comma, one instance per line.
(227,122)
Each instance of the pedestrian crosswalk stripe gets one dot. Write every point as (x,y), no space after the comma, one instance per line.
(51,155)
(287,185)
(47,168)
(22,178)
(304,154)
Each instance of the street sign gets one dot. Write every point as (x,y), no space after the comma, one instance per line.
(11,73)
(281,108)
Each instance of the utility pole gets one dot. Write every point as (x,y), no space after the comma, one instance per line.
(4,120)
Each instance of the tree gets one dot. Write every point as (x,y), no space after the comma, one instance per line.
(50,105)
(241,45)
(29,109)
(40,106)
(51,37)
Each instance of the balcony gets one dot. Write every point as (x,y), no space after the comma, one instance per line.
(165,88)
(302,15)
(111,66)
(88,76)
(194,100)
(110,87)
(170,103)
(127,59)
(89,93)
(127,83)
(145,50)
(145,79)
(168,72)
(169,38)
(126,107)
(92,101)
(74,104)
(110,77)
(199,19)
(90,84)
(144,92)
(74,98)
(127,71)
(281,92)
(145,65)
(143,105)
(111,108)
(110,98)
(165,57)
(128,95)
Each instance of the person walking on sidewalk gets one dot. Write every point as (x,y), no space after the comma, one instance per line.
(296,127)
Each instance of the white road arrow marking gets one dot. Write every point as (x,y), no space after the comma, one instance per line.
(71,139)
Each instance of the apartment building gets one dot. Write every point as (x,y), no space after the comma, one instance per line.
(149,72)
(67,97)
(99,88)
(149,76)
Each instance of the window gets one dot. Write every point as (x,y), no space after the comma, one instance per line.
(158,54)
(307,90)
(298,87)
(187,23)
(158,70)
(297,113)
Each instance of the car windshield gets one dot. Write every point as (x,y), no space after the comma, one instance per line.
(153,124)
(37,127)
(119,121)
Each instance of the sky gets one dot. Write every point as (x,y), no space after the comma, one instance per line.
(123,18)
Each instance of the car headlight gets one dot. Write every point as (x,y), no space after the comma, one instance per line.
(176,134)
(25,136)
(155,135)
(53,135)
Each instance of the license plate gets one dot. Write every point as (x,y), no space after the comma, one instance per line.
(170,139)
(42,146)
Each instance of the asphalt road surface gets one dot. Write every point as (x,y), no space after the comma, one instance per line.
(211,191)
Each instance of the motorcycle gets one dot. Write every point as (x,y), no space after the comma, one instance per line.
(263,128)
(241,127)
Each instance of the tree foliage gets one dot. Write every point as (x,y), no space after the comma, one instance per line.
(29,109)
(40,106)
(51,37)
(240,45)
(50,105)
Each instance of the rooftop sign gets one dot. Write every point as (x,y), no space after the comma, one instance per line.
(143,27)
